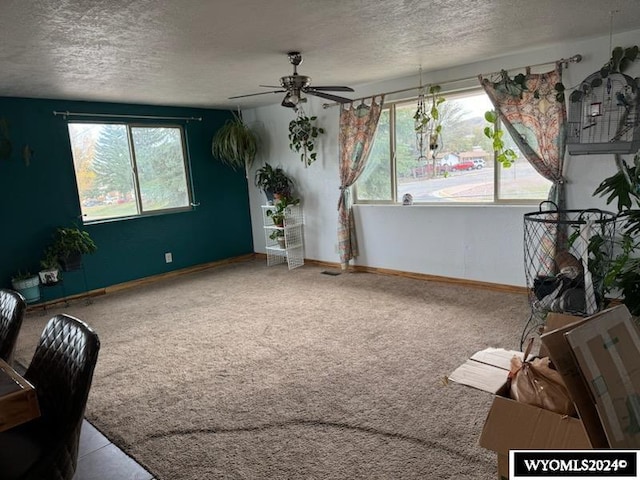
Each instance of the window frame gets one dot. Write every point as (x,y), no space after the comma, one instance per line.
(449,95)
(134,170)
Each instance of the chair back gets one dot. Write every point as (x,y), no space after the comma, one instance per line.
(12,308)
(62,370)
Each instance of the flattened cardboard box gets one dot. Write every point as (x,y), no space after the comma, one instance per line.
(486,370)
(607,351)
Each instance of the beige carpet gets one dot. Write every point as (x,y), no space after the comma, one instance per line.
(250,372)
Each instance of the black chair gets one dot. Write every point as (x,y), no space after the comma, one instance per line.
(12,308)
(61,371)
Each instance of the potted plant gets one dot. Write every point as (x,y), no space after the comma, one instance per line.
(279,211)
(27,284)
(303,133)
(623,274)
(278,236)
(50,273)
(69,244)
(273,182)
(235,144)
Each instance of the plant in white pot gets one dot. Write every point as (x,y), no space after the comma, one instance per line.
(50,273)
(27,284)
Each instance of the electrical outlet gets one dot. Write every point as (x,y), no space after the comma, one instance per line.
(168,257)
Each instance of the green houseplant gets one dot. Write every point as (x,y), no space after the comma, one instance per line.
(505,156)
(235,144)
(279,210)
(50,267)
(273,181)
(623,274)
(303,133)
(69,244)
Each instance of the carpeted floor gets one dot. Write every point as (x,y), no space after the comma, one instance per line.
(250,372)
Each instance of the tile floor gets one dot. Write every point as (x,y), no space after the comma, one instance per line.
(99,459)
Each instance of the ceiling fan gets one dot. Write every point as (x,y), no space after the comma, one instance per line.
(294,85)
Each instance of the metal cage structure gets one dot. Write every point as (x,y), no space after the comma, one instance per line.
(567,254)
(604,116)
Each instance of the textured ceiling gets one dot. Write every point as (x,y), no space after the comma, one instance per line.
(199,52)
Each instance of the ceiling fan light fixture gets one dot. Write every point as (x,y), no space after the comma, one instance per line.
(287,101)
(295,85)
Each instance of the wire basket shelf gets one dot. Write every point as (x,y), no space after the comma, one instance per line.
(567,254)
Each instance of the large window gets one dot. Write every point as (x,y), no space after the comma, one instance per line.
(463,168)
(129,170)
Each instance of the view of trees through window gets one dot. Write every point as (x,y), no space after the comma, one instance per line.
(124,170)
(462,168)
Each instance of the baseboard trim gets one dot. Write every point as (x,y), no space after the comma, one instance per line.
(498,287)
(141,281)
(463,282)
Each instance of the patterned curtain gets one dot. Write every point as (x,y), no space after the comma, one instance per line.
(537,124)
(357,129)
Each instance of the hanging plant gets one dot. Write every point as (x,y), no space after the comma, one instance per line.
(235,144)
(303,133)
(515,86)
(427,123)
(505,156)
(621,59)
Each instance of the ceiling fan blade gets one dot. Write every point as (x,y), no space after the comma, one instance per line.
(333,88)
(328,96)
(271,86)
(254,94)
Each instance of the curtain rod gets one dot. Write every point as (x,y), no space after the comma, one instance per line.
(563,61)
(113,115)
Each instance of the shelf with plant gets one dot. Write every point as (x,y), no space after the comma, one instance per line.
(279,211)
(274,182)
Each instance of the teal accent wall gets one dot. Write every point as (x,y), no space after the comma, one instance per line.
(37,198)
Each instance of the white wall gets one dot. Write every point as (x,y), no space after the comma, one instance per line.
(483,243)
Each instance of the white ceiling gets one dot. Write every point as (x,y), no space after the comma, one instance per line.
(199,52)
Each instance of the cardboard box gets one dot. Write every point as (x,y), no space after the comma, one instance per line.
(599,360)
(511,424)
(607,352)
(486,370)
(515,425)
(563,359)
(555,321)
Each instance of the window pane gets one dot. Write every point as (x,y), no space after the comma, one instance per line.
(462,168)
(375,183)
(521,181)
(103,169)
(161,168)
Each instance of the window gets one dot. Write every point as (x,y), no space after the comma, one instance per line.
(129,170)
(463,168)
